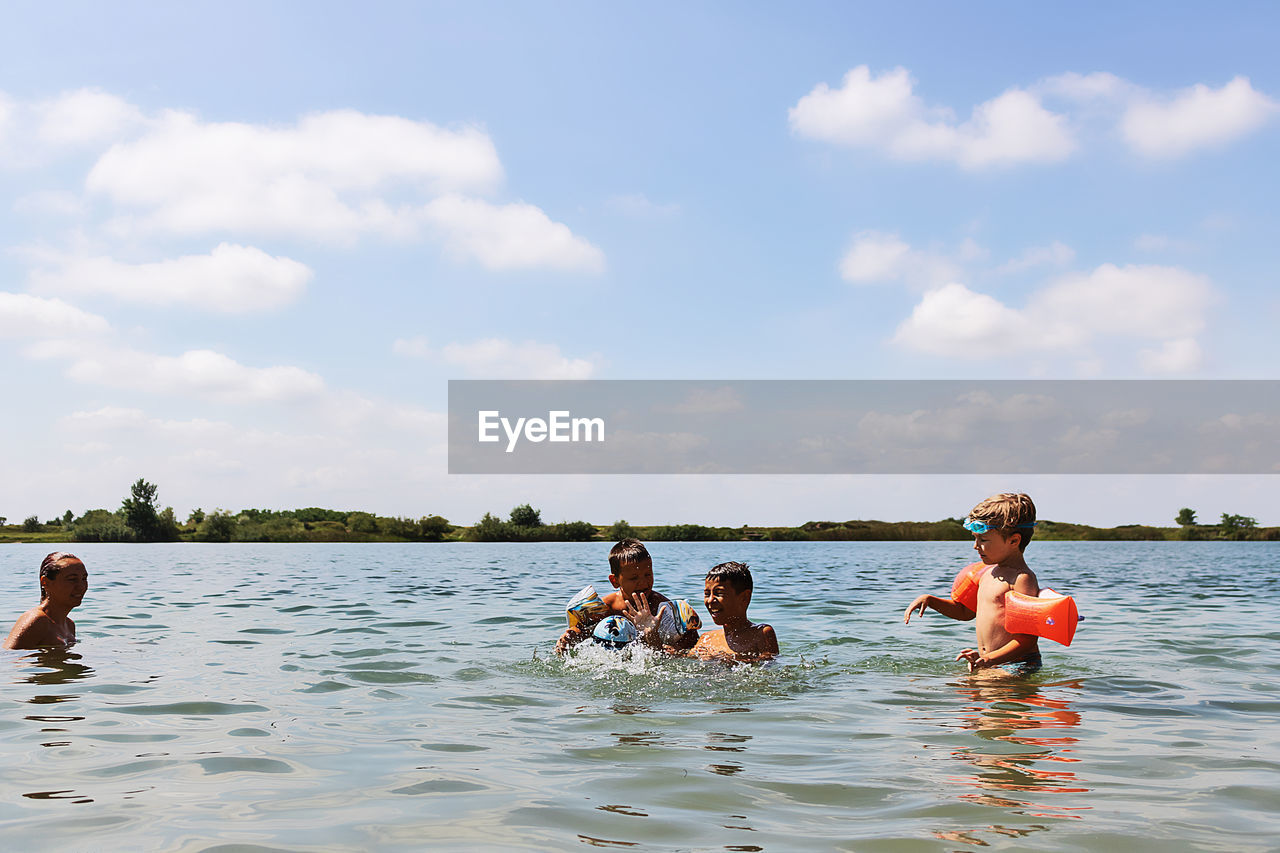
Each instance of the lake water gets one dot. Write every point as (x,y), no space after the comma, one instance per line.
(405,697)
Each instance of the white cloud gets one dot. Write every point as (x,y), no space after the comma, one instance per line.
(196,373)
(416,347)
(1055,254)
(323,177)
(956,322)
(231,279)
(1097,86)
(85,117)
(883,112)
(510,236)
(876,257)
(1134,301)
(1164,304)
(496,358)
(1179,355)
(26,316)
(1198,117)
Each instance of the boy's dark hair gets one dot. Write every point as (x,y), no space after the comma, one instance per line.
(627,551)
(736,575)
(52,564)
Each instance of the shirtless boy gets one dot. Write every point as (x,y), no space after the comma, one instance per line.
(631,574)
(63,583)
(727,593)
(1002,525)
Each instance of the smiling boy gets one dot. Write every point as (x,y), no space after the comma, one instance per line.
(63,583)
(727,594)
(1001,525)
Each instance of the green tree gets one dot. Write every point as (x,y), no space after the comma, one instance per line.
(1186,517)
(217,526)
(100,525)
(433,528)
(490,529)
(526,516)
(362,522)
(196,516)
(3,521)
(31,524)
(140,511)
(1237,526)
(620,530)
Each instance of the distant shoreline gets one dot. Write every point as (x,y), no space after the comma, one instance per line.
(813,531)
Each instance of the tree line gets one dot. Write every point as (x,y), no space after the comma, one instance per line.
(140,518)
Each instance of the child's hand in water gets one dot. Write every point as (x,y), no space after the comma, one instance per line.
(971,657)
(916,608)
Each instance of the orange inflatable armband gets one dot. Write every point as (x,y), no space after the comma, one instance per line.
(1051,615)
(964,589)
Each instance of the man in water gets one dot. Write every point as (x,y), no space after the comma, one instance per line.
(63,583)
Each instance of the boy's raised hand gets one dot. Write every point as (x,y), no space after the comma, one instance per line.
(644,618)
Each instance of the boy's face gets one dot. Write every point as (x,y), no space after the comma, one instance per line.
(723,602)
(994,547)
(633,577)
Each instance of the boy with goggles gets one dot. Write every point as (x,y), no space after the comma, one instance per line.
(1001,525)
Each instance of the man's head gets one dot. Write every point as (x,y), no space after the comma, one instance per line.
(1006,515)
(727,592)
(630,567)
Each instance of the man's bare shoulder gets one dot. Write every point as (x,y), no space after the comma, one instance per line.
(32,630)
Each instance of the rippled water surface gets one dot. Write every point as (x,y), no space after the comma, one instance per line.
(402,697)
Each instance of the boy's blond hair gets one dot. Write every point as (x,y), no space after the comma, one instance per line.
(1009,513)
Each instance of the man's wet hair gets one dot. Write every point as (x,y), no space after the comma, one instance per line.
(736,575)
(52,564)
(627,551)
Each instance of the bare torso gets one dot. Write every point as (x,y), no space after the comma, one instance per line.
(992,588)
(35,629)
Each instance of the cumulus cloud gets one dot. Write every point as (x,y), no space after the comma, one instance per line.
(231,279)
(26,316)
(510,236)
(312,178)
(496,358)
(85,117)
(877,257)
(197,373)
(1198,117)
(1149,303)
(884,112)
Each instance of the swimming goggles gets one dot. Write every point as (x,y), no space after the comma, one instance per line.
(982,527)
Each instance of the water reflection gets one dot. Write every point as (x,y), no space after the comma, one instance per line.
(52,667)
(1022,759)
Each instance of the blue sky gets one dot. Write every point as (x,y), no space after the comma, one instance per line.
(245,247)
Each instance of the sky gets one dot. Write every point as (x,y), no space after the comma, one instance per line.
(244,247)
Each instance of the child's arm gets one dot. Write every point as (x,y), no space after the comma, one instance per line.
(569,639)
(685,641)
(945,606)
